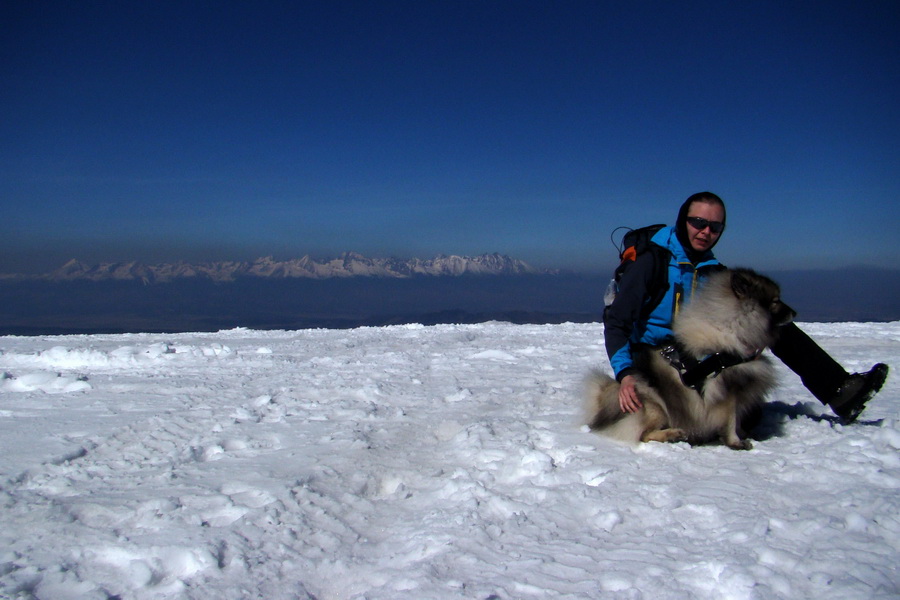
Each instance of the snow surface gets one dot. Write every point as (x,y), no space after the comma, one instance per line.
(420,462)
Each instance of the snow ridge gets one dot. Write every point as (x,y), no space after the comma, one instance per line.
(349,264)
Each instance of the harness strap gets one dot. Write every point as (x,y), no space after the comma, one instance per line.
(695,373)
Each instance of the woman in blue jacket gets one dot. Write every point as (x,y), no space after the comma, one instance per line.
(688,246)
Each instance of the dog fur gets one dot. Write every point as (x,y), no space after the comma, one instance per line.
(735,311)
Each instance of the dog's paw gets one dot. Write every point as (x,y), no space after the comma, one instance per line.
(740,445)
(677,435)
(665,436)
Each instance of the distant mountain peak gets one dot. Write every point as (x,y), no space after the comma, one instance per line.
(348,264)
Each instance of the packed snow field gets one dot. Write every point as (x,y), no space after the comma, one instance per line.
(420,462)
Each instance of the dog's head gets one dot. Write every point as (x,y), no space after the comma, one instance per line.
(750,286)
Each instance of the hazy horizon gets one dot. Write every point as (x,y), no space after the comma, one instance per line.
(40,306)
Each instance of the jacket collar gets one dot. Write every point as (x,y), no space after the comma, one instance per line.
(668,239)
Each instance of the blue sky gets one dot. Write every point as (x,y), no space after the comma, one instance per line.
(160,131)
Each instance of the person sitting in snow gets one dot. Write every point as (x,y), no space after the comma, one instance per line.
(700,223)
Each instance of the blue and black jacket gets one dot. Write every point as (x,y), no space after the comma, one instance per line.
(626,321)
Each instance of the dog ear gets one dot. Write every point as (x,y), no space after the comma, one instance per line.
(741,283)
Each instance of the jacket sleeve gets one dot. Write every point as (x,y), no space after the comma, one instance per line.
(621,317)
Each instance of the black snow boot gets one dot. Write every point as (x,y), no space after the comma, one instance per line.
(850,399)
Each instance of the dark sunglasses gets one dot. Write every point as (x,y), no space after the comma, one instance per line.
(700,224)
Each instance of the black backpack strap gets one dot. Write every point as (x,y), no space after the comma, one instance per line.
(659,284)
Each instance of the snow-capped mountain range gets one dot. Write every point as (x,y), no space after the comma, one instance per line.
(349,264)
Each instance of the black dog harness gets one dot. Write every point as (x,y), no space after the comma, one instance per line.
(695,372)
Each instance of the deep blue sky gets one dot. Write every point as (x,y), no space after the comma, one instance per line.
(160,131)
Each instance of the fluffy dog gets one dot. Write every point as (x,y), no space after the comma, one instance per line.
(698,388)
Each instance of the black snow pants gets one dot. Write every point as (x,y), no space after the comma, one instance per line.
(820,374)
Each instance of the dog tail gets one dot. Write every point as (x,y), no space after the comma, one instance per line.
(603,414)
(601,400)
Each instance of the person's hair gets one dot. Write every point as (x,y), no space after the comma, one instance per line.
(706,197)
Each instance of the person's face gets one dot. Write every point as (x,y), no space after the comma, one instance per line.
(703,239)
